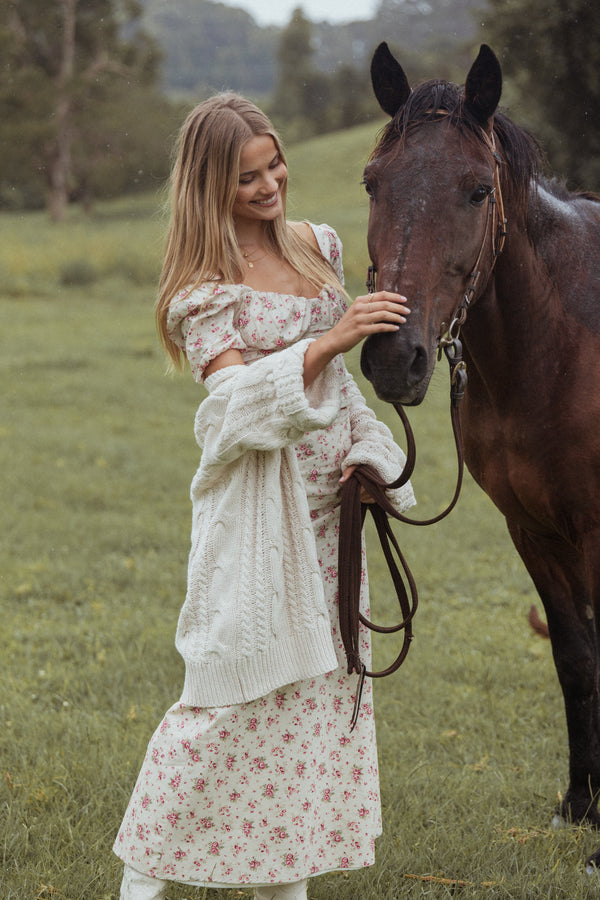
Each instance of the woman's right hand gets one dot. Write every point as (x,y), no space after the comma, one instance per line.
(382,311)
(369,314)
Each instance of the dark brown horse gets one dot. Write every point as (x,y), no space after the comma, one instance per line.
(446,172)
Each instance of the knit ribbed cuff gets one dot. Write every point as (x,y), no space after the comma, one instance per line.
(230,681)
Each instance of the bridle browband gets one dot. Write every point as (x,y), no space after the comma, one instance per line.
(352,514)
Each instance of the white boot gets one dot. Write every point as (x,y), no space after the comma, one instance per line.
(294,891)
(136,886)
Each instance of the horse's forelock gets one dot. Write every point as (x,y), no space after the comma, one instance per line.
(429,102)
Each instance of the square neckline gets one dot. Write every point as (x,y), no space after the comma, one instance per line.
(247,287)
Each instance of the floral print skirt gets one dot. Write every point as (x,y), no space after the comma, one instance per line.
(271,791)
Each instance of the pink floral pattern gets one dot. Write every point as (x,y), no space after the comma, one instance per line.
(215,317)
(278,789)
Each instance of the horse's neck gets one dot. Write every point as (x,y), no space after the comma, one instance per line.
(520,300)
(542,301)
(544,271)
(512,327)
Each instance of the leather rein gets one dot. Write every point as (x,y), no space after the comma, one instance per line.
(353,512)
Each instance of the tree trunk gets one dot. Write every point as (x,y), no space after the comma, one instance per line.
(60,171)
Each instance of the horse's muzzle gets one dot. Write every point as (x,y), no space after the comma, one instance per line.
(399,374)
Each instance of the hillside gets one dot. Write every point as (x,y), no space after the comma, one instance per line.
(210,46)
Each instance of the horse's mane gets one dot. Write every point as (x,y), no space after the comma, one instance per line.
(436,100)
(560,190)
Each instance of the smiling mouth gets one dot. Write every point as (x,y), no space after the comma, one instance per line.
(270,201)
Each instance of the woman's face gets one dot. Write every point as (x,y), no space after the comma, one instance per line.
(262,176)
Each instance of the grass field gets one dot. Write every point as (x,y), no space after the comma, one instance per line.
(97,453)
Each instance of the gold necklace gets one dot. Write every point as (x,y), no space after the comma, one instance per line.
(247,256)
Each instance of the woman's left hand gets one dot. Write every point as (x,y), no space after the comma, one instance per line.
(365,497)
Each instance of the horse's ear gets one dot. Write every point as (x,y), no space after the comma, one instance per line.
(483,86)
(389,82)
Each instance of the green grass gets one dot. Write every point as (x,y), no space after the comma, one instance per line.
(96,457)
(125,242)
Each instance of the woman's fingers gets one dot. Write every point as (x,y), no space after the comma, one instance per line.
(385,301)
(381,308)
(365,497)
(369,314)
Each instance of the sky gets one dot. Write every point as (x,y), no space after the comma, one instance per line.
(278,12)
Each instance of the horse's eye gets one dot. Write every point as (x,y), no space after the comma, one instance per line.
(368,189)
(479,194)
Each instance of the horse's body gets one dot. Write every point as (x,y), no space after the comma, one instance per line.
(531,413)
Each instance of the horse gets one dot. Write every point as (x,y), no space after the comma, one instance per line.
(493,253)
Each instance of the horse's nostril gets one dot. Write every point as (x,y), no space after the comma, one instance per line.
(417,369)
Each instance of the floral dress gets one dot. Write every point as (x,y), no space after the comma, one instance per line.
(278,789)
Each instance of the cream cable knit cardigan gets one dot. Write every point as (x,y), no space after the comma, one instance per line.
(255,617)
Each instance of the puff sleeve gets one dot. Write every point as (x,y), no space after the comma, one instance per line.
(264,406)
(202,322)
(330,246)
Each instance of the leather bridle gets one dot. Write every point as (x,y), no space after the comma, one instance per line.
(353,513)
(496,224)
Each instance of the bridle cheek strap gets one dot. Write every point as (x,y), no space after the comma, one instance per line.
(496,224)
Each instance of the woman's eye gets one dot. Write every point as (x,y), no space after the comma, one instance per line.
(479,194)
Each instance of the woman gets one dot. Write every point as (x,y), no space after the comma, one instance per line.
(253,777)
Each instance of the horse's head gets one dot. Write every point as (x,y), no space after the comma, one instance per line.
(432,181)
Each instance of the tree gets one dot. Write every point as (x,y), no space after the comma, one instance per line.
(292,100)
(209,46)
(553,66)
(67,66)
(308,101)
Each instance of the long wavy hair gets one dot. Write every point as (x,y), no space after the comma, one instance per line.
(201,239)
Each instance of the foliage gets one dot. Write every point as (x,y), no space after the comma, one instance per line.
(211,47)
(553,64)
(308,101)
(70,102)
(434,39)
(302,93)
(96,458)
(124,147)
(89,102)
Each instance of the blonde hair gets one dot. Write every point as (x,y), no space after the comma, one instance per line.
(201,240)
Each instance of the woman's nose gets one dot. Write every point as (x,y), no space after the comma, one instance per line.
(270,184)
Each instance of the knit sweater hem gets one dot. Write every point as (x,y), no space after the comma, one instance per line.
(294,657)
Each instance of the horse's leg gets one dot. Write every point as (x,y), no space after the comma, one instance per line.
(565,578)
